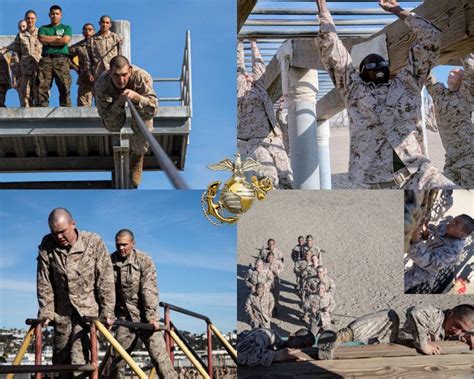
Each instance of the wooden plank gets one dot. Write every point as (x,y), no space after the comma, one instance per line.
(244,7)
(442,366)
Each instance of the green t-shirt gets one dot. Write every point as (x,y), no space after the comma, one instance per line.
(55,30)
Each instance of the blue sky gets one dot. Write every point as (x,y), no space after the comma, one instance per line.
(195,259)
(158,33)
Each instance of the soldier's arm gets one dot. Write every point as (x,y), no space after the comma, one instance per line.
(147,102)
(44,287)
(240,58)
(149,290)
(420,322)
(105,283)
(258,66)
(468,79)
(14,46)
(332,304)
(424,50)
(334,56)
(111,112)
(434,259)
(434,87)
(249,310)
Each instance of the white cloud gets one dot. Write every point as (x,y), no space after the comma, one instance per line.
(17,285)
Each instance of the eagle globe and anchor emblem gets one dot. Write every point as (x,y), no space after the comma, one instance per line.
(237,195)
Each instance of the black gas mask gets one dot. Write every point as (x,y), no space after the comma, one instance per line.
(374,69)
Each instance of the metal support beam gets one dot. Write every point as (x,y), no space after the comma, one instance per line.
(323,134)
(122,27)
(121,173)
(299,88)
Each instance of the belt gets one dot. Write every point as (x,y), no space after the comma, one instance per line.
(399,178)
(54,56)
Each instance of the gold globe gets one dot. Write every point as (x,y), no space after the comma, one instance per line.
(237,196)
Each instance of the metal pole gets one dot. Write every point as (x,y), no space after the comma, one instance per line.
(38,348)
(323,134)
(232,352)
(167,334)
(22,350)
(189,355)
(126,357)
(94,354)
(160,155)
(299,88)
(209,350)
(122,27)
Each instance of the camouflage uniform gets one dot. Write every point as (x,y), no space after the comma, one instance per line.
(265,250)
(15,74)
(300,271)
(84,89)
(103,47)
(254,277)
(71,284)
(137,300)
(298,253)
(385,119)
(5,81)
(276,267)
(423,324)
(320,309)
(259,309)
(378,327)
(28,49)
(282,119)
(257,347)
(257,123)
(454,111)
(316,251)
(113,115)
(431,256)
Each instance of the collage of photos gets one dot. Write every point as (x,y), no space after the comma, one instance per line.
(226,189)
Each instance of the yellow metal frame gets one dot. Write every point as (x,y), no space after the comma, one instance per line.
(126,357)
(189,355)
(22,350)
(226,343)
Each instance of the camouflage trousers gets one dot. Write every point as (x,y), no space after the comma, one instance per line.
(250,353)
(84,93)
(318,321)
(56,68)
(415,276)
(71,343)
(461,172)
(271,154)
(28,89)
(428,177)
(378,327)
(260,320)
(3,94)
(155,345)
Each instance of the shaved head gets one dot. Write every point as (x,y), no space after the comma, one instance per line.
(59,214)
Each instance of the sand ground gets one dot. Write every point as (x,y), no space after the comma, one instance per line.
(362,233)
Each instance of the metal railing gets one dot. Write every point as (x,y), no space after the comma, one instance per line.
(185,79)
(211,328)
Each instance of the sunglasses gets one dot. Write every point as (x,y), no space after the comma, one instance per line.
(375,65)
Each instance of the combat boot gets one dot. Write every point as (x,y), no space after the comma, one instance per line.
(136,169)
(329,340)
(345,335)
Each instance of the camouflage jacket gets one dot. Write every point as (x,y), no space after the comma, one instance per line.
(276,267)
(265,250)
(106,96)
(453,112)
(256,117)
(102,49)
(437,252)
(387,117)
(28,48)
(81,50)
(298,253)
(328,282)
(81,278)
(321,307)
(5,79)
(259,309)
(257,347)
(423,324)
(254,277)
(136,287)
